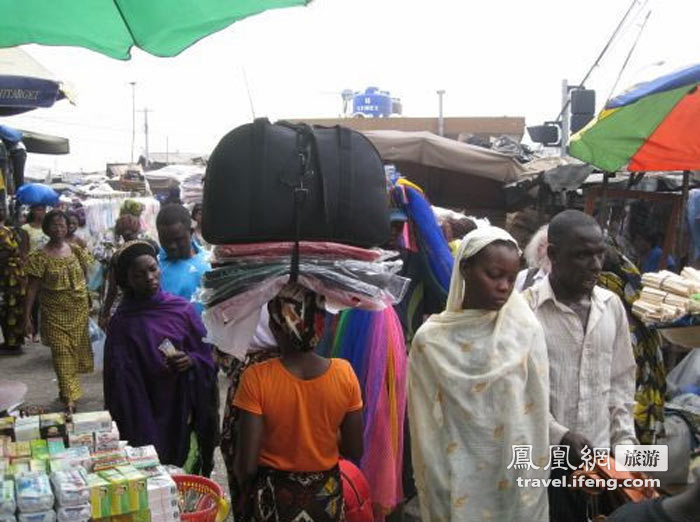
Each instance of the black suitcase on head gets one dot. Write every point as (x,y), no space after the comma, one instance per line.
(285,182)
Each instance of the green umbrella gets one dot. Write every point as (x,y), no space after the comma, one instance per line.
(112,27)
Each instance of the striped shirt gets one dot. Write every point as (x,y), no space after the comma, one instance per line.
(592,372)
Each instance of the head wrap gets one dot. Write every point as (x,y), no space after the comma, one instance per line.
(126,222)
(472,244)
(127,254)
(299,313)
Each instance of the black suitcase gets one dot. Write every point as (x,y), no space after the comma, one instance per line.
(288,182)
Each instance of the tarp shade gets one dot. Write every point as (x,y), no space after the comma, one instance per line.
(426,148)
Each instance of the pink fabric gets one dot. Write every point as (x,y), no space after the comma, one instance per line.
(385,390)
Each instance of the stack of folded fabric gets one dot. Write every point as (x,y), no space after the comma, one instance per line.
(247,276)
(668,297)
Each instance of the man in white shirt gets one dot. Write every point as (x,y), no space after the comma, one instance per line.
(591,363)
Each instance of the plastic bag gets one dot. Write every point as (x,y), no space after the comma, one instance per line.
(97,340)
(34,493)
(96,276)
(71,488)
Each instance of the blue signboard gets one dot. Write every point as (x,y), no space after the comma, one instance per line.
(373,102)
(25,93)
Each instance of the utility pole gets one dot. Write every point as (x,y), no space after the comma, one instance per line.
(565,116)
(145,111)
(133,118)
(441,120)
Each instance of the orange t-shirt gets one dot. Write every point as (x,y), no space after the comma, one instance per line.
(302,417)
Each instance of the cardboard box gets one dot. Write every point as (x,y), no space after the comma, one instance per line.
(118,491)
(138,490)
(40,449)
(100,498)
(19,450)
(90,422)
(56,446)
(27,428)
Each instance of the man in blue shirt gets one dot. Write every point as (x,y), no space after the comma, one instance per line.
(182,261)
(646,243)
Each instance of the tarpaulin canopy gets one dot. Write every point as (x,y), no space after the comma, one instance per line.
(112,27)
(24,83)
(654,126)
(426,148)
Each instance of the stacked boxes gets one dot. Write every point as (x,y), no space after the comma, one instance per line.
(72,495)
(123,484)
(34,498)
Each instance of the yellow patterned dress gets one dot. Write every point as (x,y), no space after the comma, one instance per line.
(12,286)
(63,297)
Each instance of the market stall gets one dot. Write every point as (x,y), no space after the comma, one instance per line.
(76,469)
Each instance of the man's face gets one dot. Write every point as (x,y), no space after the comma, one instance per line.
(176,241)
(578,260)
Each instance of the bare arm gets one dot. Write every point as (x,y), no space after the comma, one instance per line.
(250,438)
(109,298)
(33,285)
(351,436)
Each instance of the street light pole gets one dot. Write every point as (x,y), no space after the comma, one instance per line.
(133,118)
(441,121)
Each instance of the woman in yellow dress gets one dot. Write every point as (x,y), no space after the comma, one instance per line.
(57,274)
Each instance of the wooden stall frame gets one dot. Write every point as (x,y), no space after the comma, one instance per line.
(673,225)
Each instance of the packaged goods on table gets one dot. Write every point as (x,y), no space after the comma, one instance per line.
(70,487)
(91,422)
(19,450)
(39,465)
(42,516)
(136,487)
(100,499)
(39,449)
(143,457)
(52,425)
(81,440)
(118,491)
(71,458)
(74,513)
(27,428)
(55,446)
(107,440)
(8,504)
(105,460)
(34,493)
(7,426)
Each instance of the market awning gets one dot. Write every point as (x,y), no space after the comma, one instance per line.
(38,143)
(112,27)
(25,84)
(426,148)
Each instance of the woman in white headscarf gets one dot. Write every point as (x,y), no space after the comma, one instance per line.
(479,393)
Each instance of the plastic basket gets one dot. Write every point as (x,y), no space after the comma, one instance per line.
(211,507)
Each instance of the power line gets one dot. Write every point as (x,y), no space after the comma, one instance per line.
(629,55)
(600,56)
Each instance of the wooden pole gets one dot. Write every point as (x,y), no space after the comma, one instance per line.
(603,201)
(684,201)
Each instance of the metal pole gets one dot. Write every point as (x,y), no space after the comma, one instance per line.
(441,120)
(603,210)
(145,129)
(565,115)
(133,118)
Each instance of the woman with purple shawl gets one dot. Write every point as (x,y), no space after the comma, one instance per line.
(159,376)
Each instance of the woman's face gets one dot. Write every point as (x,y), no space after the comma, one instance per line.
(38,213)
(58,228)
(490,276)
(72,225)
(197,216)
(143,276)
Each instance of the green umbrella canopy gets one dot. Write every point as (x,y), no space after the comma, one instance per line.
(112,27)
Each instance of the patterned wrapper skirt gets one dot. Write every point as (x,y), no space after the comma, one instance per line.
(284,496)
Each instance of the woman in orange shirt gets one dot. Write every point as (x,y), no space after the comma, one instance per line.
(293,410)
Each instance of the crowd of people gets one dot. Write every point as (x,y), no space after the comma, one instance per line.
(533,357)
